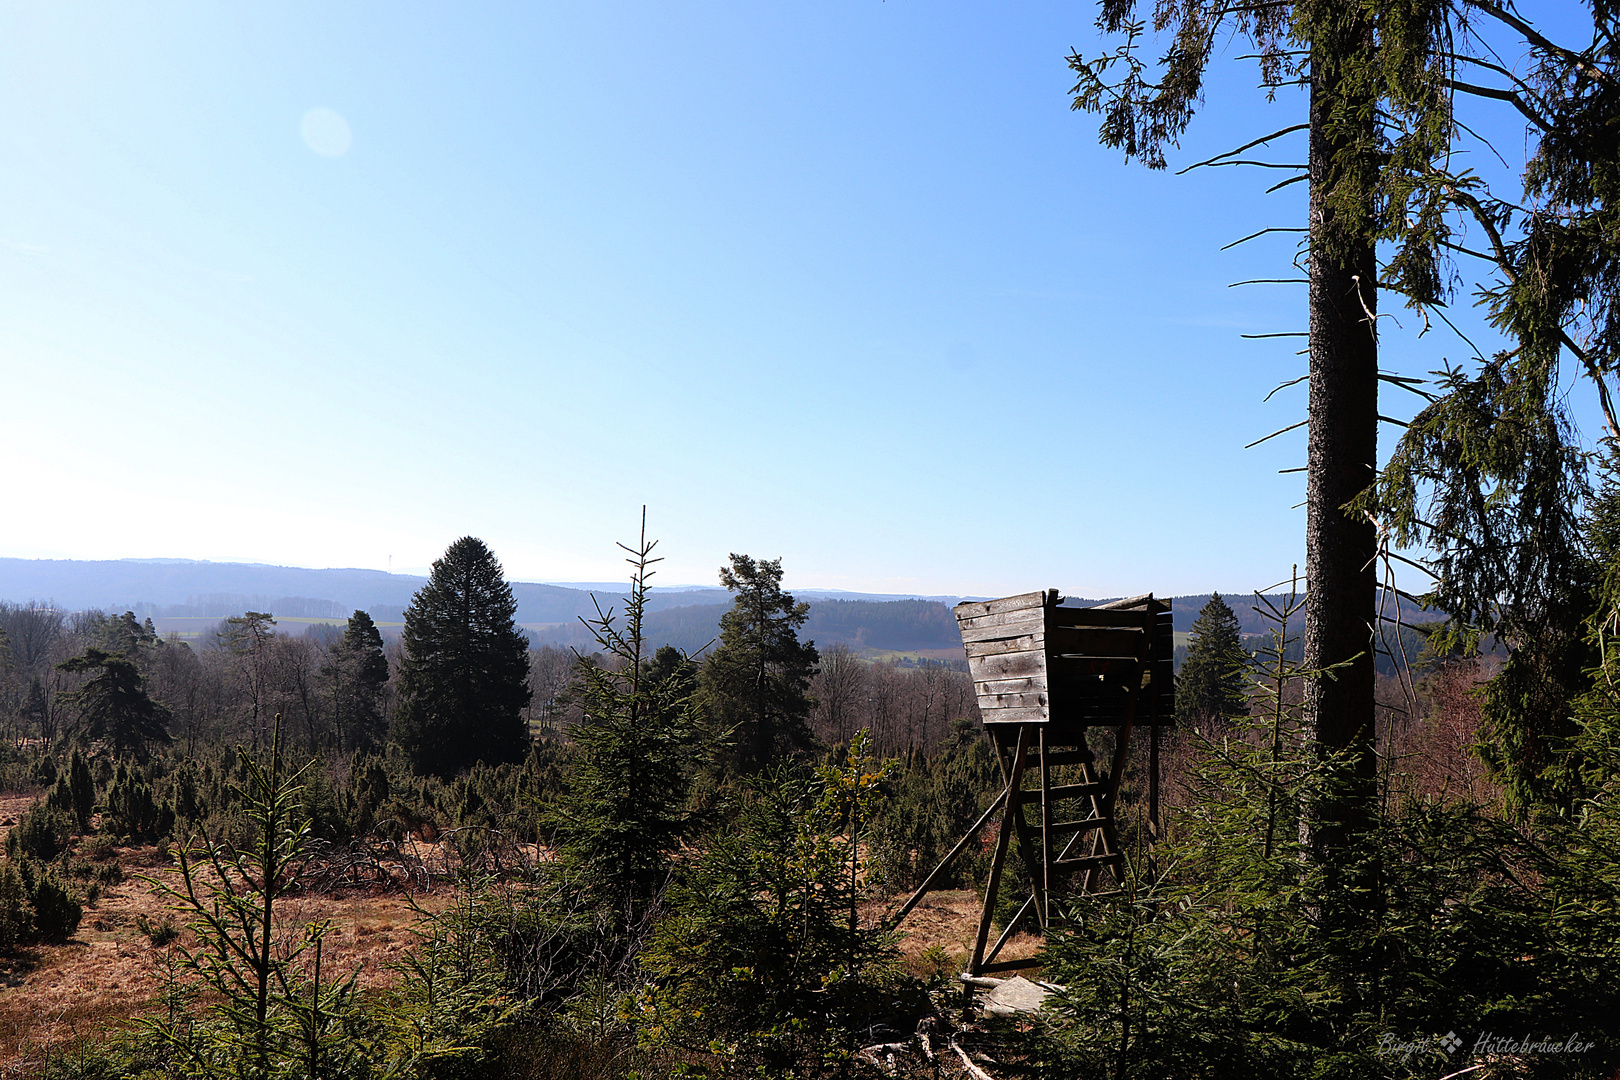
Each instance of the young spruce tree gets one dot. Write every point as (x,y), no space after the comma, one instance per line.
(273,1012)
(623,815)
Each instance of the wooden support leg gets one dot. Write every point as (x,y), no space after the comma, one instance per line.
(1027,846)
(1003,838)
(1042,885)
(1006,933)
(928,883)
(1153,800)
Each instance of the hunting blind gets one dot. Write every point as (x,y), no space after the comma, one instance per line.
(1047,678)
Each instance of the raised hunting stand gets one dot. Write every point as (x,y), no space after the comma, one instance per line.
(1045,675)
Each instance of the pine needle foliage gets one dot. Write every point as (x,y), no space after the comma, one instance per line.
(760,965)
(1243,955)
(276,1013)
(932,802)
(1213,682)
(356,671)
(464,680)
(756,683)
(451,996)
(623,814)
(115,703)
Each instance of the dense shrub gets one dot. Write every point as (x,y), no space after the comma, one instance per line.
(1248,958)
(81,789)
(42,771)
(933,803)
(56,910)
(761,955)
(35,904)
(132,808)
(369,790)
(16,913)
(40,833)
(184,793)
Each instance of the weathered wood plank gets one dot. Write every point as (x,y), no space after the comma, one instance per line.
(1074,791)
(1062,791)
(1013,716)
(1090,616)
(1093,862)
(971,608)
(1144,602)
(1034,698)
(1035,684)
(1030,617)
(1080,826)
(1007,665)
(996,633)
(1059,758)
(996,646)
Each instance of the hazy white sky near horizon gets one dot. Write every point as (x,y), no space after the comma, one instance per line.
(845,283)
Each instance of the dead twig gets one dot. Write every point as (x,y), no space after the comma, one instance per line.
(967,1063)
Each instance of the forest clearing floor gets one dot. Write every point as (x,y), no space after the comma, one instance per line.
(111,972)
(936,937)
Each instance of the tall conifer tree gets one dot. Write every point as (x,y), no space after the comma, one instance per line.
(464,679)
(1382,77)
(757,682)
(1210,685)
(357,671)
(115,702)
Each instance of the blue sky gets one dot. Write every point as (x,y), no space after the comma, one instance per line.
(845,283)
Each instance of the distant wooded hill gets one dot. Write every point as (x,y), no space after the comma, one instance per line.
(902,626)
(1184,610)
(180,588)
(196,592)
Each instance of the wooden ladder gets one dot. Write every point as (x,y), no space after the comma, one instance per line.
(1044,685)
(1048,845)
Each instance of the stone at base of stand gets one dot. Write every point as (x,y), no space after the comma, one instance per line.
(1008,997)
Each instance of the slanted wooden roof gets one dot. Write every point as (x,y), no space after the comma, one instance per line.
(1036,661)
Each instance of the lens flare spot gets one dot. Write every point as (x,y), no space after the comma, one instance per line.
(326,132)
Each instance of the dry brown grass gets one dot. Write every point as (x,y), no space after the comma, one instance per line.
(109,973)
(12,806)
(948,921)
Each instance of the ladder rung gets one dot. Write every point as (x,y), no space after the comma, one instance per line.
(1081,826)
(1062,791)
(1094,656)
(1009,965)
(1087,862)
(1058,758)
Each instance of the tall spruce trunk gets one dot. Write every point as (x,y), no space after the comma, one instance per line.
(1341,582)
